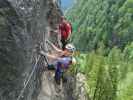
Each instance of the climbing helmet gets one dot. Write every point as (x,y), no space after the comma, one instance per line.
(70,47)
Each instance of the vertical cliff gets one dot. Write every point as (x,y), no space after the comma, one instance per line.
(24,27)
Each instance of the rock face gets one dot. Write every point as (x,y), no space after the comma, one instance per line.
(24,26)
(80,92)
(73,89)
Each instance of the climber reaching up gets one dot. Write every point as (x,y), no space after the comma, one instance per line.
(65,30)
(63,61)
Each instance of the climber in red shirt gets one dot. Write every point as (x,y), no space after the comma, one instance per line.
(65,30)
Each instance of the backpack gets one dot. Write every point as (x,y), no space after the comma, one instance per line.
(65,28)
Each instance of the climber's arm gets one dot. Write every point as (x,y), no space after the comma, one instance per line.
(69,35)
(57,49)
(50,55)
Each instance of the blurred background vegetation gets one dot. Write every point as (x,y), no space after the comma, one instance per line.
(103,33)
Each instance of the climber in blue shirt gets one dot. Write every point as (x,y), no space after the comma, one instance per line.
(62,60)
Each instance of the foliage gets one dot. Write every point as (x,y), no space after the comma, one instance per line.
(108,77)
(105,29)
(107,21)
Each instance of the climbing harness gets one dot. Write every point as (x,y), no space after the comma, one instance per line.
(29,78)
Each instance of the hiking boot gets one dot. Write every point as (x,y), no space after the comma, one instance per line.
(57,80)
(64,79)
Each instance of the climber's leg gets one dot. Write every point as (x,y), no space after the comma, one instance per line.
(58,76)
(64,42)
(64,78)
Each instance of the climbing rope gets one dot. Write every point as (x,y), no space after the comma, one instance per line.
(32,72)
(29,78)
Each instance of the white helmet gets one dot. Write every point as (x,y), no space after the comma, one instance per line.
(70,47)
